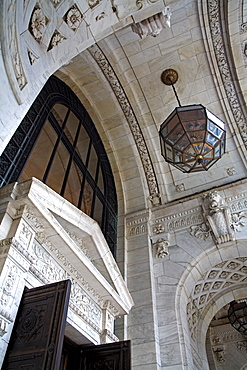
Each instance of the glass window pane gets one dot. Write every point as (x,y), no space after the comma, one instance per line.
(97,212)
(100,181)
(40,155)
(93,161)
(83,144)
(59,111)
(73,186)
(58,168)
(71,127)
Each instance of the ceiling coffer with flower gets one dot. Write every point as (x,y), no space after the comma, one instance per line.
(73,17)
(39,22)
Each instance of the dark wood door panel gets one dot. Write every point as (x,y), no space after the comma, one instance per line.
(37,337)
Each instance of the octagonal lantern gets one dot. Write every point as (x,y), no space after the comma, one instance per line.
(237,315)
(192,138)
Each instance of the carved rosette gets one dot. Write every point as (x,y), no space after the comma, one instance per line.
(38,23)
(56,39)
(73,18)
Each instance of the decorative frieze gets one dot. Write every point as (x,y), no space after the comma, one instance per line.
(11,46)
(79,241)
(121,96)
(226,336)
(178,221)
(137,227)
(84,306)
(214,14)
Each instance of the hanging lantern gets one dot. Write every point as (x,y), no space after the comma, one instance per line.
(192,138)
(237,315)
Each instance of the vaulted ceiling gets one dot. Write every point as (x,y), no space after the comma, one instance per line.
(116,73)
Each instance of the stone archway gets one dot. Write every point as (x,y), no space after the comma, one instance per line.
(216,277)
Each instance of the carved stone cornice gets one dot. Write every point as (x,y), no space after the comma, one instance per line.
(178,221)
(125,105)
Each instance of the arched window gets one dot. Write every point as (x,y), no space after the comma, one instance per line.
(57,143)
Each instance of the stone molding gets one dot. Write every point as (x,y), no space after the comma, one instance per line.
(137,226)
(220,223)
(125,105)
(214,20)
(178,221)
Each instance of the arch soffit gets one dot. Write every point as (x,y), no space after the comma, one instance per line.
(216,277)
(85,78)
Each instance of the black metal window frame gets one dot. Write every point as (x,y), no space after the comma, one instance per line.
(15,155)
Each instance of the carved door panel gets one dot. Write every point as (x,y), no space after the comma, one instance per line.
(112,356)
(38,334)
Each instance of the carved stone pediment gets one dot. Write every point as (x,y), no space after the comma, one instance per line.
(45,239)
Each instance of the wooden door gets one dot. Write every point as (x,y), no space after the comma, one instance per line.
(112,356)
(38,334)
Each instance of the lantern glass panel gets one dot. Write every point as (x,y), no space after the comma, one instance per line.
(212,140)
(208,154)
(169,152)
(216,130)
(191,113)
(196,136)
(217,150)
(177,156)
(191,150)
(198,148)
(175,134)
(206,148)
(182,143)
(172,123)
(194,125)
(215,119)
